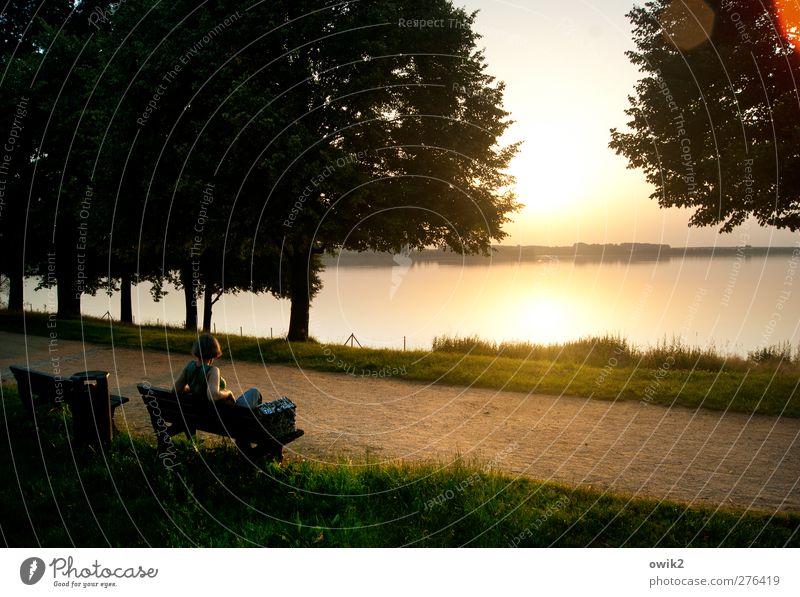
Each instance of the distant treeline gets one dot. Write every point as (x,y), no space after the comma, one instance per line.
(576,251)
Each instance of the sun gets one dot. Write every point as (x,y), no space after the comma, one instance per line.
(550,176)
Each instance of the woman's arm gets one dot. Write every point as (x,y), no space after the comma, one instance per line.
(180,384)
(214,393)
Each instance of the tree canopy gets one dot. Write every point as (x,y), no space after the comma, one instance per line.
(715,120)
(225,146)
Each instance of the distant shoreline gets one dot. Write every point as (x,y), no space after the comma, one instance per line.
(537,253)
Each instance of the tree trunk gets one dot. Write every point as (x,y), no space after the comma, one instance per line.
(16,283)
(300,292)
(125,298)
(208,305)
(190,298)
(69,299)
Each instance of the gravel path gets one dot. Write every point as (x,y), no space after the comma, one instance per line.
(697,457)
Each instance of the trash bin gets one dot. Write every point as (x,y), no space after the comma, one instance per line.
(91,409)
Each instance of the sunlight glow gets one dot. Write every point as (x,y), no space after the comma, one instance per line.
(551,176)
(788,13)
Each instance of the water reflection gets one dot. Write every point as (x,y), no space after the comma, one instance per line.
(730,303)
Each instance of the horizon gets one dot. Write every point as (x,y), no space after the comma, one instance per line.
(567,81)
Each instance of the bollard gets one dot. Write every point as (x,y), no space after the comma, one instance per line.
(91,409)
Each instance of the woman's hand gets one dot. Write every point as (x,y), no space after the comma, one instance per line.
(214,391)
(180,383)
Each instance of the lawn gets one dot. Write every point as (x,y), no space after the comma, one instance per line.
(52,497)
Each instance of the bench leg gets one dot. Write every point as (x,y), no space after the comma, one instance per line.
(268,449)
(26,397)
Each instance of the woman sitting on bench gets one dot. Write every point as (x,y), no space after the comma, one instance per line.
(201,378)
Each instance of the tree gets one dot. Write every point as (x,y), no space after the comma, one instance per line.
(66,215)
(21,26)
(52,66)
(169,76)
(314,135)
(714,121)
(377,141)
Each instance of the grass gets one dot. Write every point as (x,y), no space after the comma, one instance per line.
(607,368)
(54,498)
(599,351)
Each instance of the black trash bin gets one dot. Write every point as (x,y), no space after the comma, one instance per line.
(91,409)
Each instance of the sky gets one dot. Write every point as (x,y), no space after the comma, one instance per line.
(567,81)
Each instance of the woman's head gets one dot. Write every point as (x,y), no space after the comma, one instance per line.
(206,347)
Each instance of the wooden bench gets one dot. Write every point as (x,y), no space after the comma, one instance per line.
(261,431)
(86,393)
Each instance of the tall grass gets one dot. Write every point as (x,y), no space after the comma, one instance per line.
(598,351)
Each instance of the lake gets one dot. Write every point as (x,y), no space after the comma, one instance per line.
(732,303)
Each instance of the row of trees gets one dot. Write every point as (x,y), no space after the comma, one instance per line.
(224,146)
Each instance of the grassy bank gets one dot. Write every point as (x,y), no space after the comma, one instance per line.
(51,498)
(602,368)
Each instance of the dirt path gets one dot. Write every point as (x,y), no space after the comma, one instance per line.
(699,457)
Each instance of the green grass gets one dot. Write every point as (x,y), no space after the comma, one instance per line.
(602,368)
(52,498)
(599,351)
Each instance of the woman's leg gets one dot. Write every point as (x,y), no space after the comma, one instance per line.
(250,398)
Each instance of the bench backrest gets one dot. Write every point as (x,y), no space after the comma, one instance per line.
(222,418)
(44,386)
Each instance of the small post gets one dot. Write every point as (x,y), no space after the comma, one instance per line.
(215,328)
(240,331)
(404,343)
(270,332)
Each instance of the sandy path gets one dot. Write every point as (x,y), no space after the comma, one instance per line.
(700,457)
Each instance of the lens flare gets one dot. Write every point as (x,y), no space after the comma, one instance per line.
(687,24)
(788,13)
